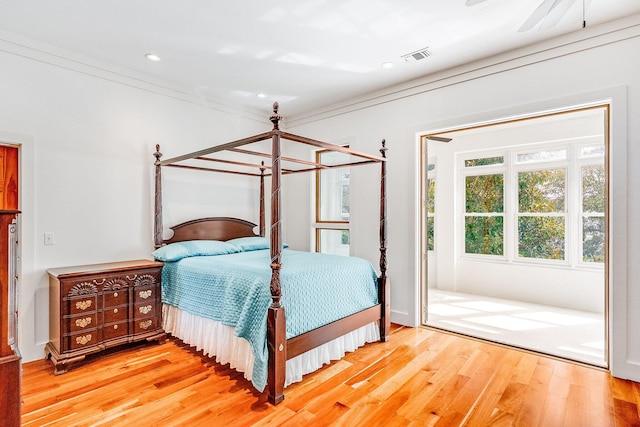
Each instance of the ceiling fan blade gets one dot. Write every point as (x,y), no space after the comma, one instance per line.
(473,2)
(539,14)
(556,15)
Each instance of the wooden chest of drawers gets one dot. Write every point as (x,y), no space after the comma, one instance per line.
(93,307)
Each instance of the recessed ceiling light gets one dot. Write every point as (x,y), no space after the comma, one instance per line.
(261,95)
(387,65)
(152,57)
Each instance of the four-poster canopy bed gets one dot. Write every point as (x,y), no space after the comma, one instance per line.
(282,351)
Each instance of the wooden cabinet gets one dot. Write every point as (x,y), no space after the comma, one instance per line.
(93,307)
(10,369)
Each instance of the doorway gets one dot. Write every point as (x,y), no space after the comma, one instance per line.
(8,177)
(515,232)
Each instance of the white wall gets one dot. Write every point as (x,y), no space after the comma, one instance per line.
(592,65)
(87,137)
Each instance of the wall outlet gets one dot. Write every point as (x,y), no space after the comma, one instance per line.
(49,238)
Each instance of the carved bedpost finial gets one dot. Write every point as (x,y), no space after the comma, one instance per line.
(157,154)
(275,117)
(384,149)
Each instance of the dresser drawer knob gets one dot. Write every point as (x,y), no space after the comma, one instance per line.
(82,323)
(83,305)
(115,310)
(115,326)
(145,294)
(115,295)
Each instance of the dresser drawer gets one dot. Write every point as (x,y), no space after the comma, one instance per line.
(145,294)
(115,314)
(84,339)
(81,323)
(146,325)
(115,330)
(81,305)
(115,298)
(145,310)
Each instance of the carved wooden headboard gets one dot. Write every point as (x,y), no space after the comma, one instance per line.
(215,228)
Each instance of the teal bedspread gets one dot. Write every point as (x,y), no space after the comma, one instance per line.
(234,289)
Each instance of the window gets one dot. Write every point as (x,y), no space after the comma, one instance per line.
(431,205)
(484,214)
(332,204)
(541,214)
(543,204)
(593,207)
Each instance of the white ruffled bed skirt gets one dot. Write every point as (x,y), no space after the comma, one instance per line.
(220,341)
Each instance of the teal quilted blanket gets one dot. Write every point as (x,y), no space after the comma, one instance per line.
(234,289)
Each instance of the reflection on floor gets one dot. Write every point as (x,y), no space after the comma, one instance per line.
(571,334)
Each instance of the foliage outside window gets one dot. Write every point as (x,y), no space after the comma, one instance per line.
(431,206)
(484,214)
(332,203)
(541,207)
(593,207)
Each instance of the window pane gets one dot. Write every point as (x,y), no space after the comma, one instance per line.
(333,190)
(484,235)
(592,151)
(484,193)
(593,188)
(431,195)
(541,191)
(430,233)
(542,156)
(334,241)
(541,237)
(485,161)
(593,239)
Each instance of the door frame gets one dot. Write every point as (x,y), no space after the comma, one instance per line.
(422,220)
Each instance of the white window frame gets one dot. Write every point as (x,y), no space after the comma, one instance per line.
(317,225)
(573,213)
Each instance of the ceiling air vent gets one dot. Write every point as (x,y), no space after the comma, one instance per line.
(417,55)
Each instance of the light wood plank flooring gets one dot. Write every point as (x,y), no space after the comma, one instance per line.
(420,377)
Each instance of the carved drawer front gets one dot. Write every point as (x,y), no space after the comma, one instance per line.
(82,304)
(145,310)
(81,287)
(115,314)
(116,297)
(145,294)
(115,330)
(83,339)
(81,323)
(145,325)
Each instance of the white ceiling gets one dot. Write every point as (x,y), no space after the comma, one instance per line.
(305,54)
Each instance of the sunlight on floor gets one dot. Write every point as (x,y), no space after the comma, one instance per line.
(571,334)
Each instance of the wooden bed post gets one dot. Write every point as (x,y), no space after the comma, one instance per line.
(262,169)
(157,225)
(276,323)
(384,291)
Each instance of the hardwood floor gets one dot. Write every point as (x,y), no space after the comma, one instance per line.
(420,377)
